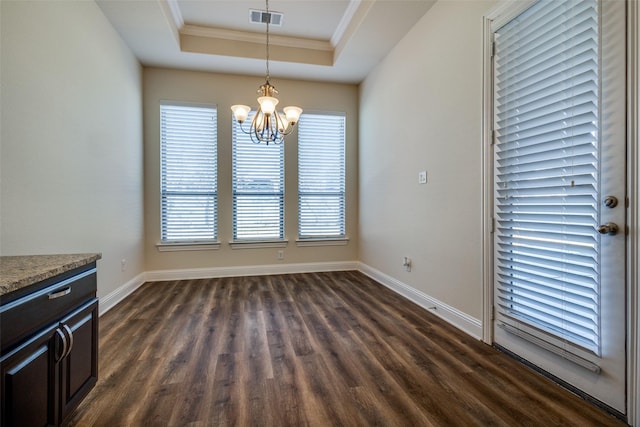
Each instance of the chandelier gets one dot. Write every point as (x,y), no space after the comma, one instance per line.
(268,125)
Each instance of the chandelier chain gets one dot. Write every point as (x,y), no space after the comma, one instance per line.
(268,21)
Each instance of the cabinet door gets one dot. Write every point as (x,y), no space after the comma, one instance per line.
(28,383)
(79,370)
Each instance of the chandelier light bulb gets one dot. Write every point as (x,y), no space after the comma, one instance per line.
(240,112)
(283,124)
(292,114)
(259,121)
(268,104)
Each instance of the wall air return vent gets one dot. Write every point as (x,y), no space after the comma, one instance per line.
(262,17)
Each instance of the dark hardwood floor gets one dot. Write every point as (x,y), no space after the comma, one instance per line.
(321,349)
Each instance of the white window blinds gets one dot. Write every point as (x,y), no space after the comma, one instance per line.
(258,188)
(546,177)
(321,176)
(188,177)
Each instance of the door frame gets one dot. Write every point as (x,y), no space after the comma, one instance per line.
(633,146)
(501,12)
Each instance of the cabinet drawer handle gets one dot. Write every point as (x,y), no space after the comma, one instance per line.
(61,293)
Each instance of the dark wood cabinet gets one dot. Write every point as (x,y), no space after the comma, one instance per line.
(45,375)
(79,370)
(28,381)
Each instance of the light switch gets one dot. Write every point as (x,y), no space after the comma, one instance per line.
(422,177)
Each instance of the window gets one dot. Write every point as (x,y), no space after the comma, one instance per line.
(321,176)
(258,188)
(188,157)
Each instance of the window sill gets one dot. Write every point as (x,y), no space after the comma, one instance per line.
(188,246)
(252,244)
(323,241)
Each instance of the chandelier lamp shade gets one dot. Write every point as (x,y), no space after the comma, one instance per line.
(268,125)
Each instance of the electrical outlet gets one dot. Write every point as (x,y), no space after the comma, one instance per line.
(123,264)
(422,177)
(280,255)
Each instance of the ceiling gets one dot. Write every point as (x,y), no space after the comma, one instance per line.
(319,40)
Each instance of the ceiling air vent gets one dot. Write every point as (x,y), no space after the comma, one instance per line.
(262,17)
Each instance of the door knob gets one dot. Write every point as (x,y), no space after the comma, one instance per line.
(609,228)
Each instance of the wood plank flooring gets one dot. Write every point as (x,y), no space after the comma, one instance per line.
(316,349)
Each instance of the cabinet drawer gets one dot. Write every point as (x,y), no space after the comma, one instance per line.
(24,316)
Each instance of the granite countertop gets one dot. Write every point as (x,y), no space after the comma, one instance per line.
(17,272)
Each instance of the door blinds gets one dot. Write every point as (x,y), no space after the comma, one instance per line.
(546,178)
(188,173)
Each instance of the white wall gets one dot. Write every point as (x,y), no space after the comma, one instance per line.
(434,76)
(71,137)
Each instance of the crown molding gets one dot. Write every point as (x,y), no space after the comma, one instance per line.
(345,22)
(259,38)
(176,14)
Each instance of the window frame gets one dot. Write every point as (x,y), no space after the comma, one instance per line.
(238,136)
(165,245)
(326,239)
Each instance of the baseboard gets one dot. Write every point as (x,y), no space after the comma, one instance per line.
(457,318)
(251,270)
(111,300)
